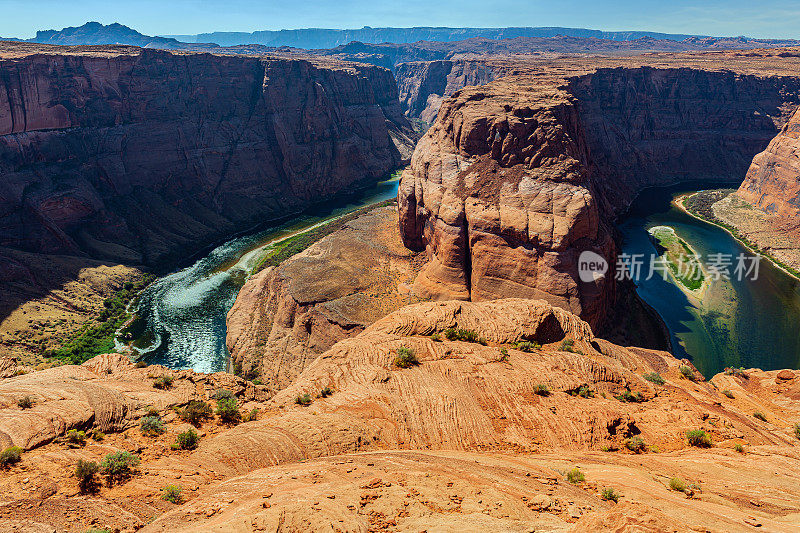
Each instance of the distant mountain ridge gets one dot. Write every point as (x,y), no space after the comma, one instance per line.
(93,33)
(330,38)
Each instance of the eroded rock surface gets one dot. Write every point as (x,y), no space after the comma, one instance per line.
(285,316)
(466,435)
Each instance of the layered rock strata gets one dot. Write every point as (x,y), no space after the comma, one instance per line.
(519,177)
(143,156)
(440,442)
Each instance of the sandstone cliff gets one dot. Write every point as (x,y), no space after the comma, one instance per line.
(773,181)
(285,316)
(143,156)
(517,178)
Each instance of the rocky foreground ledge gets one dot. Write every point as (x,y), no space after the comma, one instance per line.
(404,428)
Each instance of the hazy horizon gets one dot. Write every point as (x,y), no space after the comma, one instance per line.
(776,19)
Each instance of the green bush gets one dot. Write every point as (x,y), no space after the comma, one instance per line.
(503,355)
(172,494)
(405,358)
(654,377)
(26,402)
(610,494)
(436,337)
(10,456)
(151,426)
(98,435)
(583,391)
(567,345)
(325,392)
(528,346)
(228,410)
(163,382)
(761,416)
(737,372)
(687,372)
(739,448)
(257,381)
(466,335)
(222,394)
(630,396)
(575,476)
(195,412)
(678,484)
(119,466)
(636,444)
(151,411)
(797,431)
(251,415)
(186,440)
(75,437)
(85,472)
(541,390)
(698,438)
(728,393)
(303,399)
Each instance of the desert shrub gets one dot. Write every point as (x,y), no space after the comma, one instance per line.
(575,476)
(503,355)
(610,494)
(761,416)
(151,426)
(98,435)
(466,335)
(728,393)
(195,412)
(739,448)
(76,437)
(698,438)
(119,466)
(325,392)
(228,410)
(436,337)
(151,411)
(26,402)
(222,394)
(797,431)
(405,358)
(163,382)
(257,381)
(654,377)
(186,440)
(541,390)
(678,484)
(567,345)
(583,391)
(687,372)
(85,472)
(608,448)
(528,346)
(636,444)
(172,494)
(450,334)
(250,415)
(629,396)
(737,372)
(10,456)
(303,399)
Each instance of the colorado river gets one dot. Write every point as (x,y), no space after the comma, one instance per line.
(181,316)
(748,322)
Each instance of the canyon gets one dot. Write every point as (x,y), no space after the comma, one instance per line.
(434,362)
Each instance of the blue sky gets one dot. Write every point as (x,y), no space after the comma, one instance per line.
(766,18)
